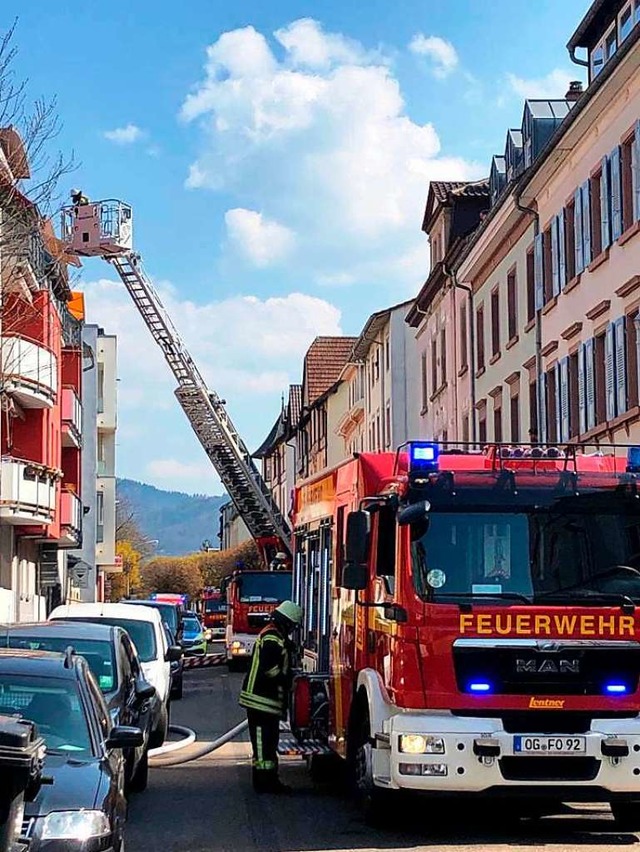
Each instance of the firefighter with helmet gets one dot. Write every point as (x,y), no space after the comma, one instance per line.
(279,562)
(265,694)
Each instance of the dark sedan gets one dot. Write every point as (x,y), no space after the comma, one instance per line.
(113,659)
(84,806)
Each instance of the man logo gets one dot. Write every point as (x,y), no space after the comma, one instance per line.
(548,666)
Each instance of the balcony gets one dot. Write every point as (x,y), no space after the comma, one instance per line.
(29,371)
(71,419)
(27,492)
(70,519)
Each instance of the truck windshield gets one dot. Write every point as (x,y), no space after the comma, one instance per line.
(570,548)
(215,606)
(266,587)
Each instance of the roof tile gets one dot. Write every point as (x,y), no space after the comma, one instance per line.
(323,363)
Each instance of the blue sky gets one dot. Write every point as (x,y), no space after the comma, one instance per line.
(277,156)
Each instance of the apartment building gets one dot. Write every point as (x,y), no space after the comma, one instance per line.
(442,315)
(93,563)
(41,374)
(233,530)
(380,380)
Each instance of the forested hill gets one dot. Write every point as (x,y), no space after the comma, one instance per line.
(180,522)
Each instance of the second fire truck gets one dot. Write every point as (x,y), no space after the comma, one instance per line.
(471,623)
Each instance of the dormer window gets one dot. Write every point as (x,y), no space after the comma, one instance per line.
(625,22)
(597,60)
(611,42)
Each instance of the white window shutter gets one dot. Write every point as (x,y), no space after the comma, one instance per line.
(605,205)
(621,365)
(555,259)
(564,399)
(590,382)
(609,372)
(582,388)
(586,222)
(556,380)
(577,229)
(538,269)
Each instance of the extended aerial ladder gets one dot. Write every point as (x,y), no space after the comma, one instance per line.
(104,229)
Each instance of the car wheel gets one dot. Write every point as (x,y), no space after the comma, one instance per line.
(159,734)
(176,692)
(141,776)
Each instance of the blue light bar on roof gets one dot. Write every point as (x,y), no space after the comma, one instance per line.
(423,456)
(633,460)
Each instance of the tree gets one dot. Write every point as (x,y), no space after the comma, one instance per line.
(133,548)
(172,574)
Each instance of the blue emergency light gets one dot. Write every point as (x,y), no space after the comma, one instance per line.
(479,686)
(616,688)
(423,456)
(633,460)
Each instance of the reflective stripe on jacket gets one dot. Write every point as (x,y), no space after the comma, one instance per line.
(266,684)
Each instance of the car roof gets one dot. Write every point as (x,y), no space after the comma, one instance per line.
(43,663)
(62,629)
(109,610)
(151,603)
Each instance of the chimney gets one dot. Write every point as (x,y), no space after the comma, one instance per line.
(575,90)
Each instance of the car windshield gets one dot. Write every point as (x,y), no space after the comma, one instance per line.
(54,705)
(215,606)
(169,615)
(141,632)
(266,587)
(577,546)
(98,654)
(192,625)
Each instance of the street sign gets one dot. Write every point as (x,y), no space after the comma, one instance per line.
(79,575)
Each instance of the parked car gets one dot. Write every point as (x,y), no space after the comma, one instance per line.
(194,643)
(177,670)
(144,626)
(85,807)
(172,614)
(114,662)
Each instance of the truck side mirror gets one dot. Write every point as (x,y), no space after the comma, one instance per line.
(354,576)
(414,513)
(397,613)
(357,542)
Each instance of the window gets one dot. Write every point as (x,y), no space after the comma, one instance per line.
(463,336)
(100,388)
(533,406)
(610,44)
(443,356)
(596,214)
(497,422)
(600,389)
(552,406)
(627,182)
(512,305)
(482,426)
(99,517)
(574,397)
(597,60)
(434,365)
(547,269)
(423,376)
(495,322)
(570,239)
(465,428)
(632,359)
(514,416)
(480,337)
(531,286)
(625,23)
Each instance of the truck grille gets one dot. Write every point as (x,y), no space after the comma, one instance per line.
(549,768)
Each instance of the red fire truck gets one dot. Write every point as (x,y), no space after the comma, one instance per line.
(214,612)
(250,596)
(471,623)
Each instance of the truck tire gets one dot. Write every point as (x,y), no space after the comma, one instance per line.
(626,815)
(375,803)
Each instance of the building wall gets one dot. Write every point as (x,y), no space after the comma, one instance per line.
(106,389)
(337,406)
(232,527)
(404,380)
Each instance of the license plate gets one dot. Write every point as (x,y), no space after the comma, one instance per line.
(549,745)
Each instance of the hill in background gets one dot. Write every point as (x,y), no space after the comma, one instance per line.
(180,522)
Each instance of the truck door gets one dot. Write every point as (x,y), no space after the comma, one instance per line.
(380,631)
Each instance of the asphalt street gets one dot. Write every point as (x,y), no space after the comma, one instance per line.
(209,804)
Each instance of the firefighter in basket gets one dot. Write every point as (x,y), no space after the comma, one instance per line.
(265,694)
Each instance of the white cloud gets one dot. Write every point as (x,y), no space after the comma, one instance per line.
(171,471)
(124,135)
(440,51)
(554,85)
(248,350)
(261,240)
(318,140)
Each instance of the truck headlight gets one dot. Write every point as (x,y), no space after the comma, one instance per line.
(421,744)
(74,825)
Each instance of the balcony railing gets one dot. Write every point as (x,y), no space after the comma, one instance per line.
(71,418)
(27,492)
(70,519)
(29,372)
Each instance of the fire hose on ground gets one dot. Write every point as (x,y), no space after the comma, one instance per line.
(156,755)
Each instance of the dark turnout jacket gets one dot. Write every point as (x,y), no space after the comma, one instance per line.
(266,685)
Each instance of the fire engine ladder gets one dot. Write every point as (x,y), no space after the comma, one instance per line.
(205,410)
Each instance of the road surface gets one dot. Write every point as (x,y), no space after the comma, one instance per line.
(209,805)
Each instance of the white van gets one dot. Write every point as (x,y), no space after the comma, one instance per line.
(144,626)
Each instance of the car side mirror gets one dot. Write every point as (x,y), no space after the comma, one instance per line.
(144,690)
(123,736)
(354,576)
(395,612)
(174,654)
(357,540)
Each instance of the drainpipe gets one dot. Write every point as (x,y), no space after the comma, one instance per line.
(574,58)
(541,422)
(452,276)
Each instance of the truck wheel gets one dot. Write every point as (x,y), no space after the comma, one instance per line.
(626,815)
(375,802)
